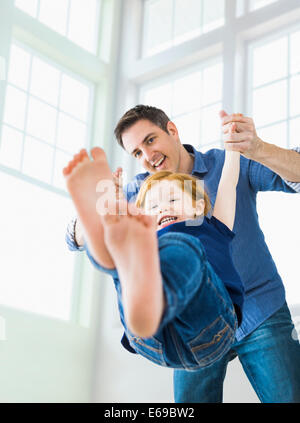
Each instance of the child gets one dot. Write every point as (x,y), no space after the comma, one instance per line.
(173,305)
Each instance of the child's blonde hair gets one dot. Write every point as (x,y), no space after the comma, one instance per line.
(194,189)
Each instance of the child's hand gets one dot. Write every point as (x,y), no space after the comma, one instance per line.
(118,180)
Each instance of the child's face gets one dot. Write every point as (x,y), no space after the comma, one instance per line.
(171,204)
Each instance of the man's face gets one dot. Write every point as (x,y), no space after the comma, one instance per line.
(152,147)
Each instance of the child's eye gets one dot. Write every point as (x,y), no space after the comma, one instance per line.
(136,155)
(150,140)
(173,200)
(154,207)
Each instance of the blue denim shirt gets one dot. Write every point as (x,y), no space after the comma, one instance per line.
(264,290)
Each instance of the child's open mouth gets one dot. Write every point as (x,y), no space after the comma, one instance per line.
(166,220)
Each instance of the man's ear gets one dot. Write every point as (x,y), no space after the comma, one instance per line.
(171,128)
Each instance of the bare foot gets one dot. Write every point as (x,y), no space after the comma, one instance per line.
(86,181)
(133,245)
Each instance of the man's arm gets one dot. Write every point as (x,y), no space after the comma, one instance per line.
(284,162)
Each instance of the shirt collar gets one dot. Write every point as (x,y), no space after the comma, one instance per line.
(199,165)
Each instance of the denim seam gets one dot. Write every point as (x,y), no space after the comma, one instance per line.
(229,336)
(220,297)
(217,337)
(229,341)
(177,346)
(143,344)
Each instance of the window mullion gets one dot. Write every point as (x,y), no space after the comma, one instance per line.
(229,46)
(6,25)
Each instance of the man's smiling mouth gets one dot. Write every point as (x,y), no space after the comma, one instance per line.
(159,162)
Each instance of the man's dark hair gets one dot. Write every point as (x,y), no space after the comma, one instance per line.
(139,112)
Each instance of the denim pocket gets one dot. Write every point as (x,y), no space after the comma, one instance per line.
(212,342)
(150,348)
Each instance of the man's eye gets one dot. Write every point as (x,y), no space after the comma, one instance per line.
(173,200)
(154,207)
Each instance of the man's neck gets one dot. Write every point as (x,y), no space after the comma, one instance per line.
(186,161)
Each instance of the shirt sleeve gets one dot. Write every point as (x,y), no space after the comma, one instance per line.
(294,185)
(111,272)
(264,179)
(70,236)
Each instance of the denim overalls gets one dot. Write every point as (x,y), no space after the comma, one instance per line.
(199,322)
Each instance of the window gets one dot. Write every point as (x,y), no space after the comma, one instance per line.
(46,116)
(277,77)
(36,267)
(192,101)
(75,19)
(258,4)
(46,113)
(178,21)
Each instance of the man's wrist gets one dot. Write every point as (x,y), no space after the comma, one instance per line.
(261,152)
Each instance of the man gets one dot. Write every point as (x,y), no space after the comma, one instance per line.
(264,344)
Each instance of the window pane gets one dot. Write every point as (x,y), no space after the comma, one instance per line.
(269,103)
(275,134)
(294,52)
(158,14)
(54,13)
(74,98)
(15,107)
(45,81)
(212,84)
(187,19)
(28,6)
(19,67)
(189,128)
(71,134)
(160,97)
(41,121)
(213,14)
(295,96)
(257,4)
(294,133)
(38,159)
(268,63)
(83,23)
(210,124)
(37,276)
(11,147)
(187,93)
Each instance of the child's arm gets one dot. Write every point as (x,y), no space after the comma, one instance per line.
(225,203)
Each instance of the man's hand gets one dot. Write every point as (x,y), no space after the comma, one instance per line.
(244,137)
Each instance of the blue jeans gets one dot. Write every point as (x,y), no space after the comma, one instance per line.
(199,321)
(270,357)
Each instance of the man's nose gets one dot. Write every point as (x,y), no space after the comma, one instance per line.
(147,154)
